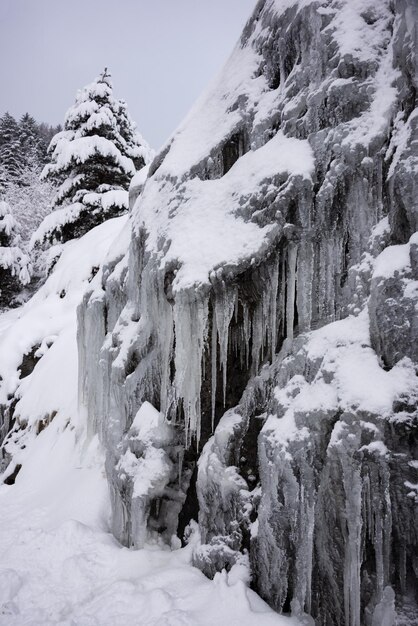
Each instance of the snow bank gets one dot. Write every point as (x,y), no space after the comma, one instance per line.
(60,565)
(52,310)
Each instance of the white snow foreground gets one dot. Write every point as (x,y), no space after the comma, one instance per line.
(59,563)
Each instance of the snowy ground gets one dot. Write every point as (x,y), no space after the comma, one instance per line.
(58,562)
(59,565)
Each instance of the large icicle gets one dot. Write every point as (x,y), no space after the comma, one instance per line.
(214,349)
(190,320)
(224,309)
(273,309)
(291,289)
(257,336)
(352,559)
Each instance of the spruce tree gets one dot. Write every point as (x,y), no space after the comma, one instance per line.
(46,133)
(31,146)
(14,264)
(10,150)
(22,157)
(92,160)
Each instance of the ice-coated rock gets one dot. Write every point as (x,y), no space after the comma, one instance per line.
(393,303)
(384,613)
(266,311)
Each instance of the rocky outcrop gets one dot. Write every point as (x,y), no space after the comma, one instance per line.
(393,304)
(262,223)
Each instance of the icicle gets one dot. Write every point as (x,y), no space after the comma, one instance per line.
(273,310)
(352,559)
(378,549)
(263,326)
(190,319)
(247,333)
(378,519)
(181,460)
(291,289)
(382,526)
(166,336)
(282,297)
(236,305)
(242,352)
(224,306)
(305,531)
(387,530)
(265,302)
(257,337)
(235,337)
(214,348)
(304,281)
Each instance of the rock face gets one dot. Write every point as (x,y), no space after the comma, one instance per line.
(250,362)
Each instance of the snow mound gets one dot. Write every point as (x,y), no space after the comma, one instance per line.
(52,311)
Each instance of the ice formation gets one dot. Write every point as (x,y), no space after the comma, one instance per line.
(248,357)
(266,218)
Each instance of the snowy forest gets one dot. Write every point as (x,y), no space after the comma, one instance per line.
(209,352)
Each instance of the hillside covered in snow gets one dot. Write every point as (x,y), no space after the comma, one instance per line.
(226,378)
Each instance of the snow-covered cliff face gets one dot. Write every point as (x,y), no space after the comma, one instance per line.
(271,214)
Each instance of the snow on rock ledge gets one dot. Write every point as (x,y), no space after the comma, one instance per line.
(393,303)
(212,223)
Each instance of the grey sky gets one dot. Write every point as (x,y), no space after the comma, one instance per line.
(161,54)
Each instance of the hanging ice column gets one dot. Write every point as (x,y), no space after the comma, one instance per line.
(190,323)
(240,315)
(352,558)
(344,445)
(291,289)
(225,303)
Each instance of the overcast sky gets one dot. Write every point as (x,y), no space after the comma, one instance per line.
(161,54)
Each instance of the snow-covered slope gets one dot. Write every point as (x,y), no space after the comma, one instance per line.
(45,329)
(60,565)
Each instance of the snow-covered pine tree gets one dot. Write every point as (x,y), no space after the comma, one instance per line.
(92,160)
(33,148)
(31,199)
(10,150)
(46,133)
(136,148)
(15,269)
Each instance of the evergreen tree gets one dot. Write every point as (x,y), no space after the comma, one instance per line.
(31,199)
(92,160)
(22,157)
(14,264)
(31,145)
(23,146)
(10,149)
(46,133)
(134,141)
